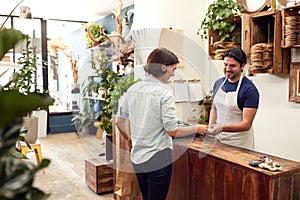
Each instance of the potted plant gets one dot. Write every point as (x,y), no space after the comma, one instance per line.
(24,80)
(100,64)
(17,176)
(115,86)
(85,118)
(219,18)
(93,34)
(81,121)
(205,104)
(123,84)
(89,87)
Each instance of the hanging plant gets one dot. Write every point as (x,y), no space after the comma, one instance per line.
(217,19)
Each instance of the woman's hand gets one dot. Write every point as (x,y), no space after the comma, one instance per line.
(202,129)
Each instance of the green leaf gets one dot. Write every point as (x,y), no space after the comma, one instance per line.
(8,39)
(13,104)
(231,28)
(219,10)
(44,163)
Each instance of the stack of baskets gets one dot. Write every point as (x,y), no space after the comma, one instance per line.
(261,57)
(292,31)
(219,48)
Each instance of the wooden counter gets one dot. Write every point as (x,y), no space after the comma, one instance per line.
(203,171)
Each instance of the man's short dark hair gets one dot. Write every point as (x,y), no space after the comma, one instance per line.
(237,53)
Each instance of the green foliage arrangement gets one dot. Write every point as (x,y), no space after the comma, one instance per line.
(109,79)
(123,84)
(17,176)
(217,19)
(114,85)
(206,104)
(24,77)
(85,118)
(95,31)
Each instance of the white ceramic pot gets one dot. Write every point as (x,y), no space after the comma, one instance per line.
(42,122)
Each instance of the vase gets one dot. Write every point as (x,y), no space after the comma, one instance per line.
(42,122)
(31,124)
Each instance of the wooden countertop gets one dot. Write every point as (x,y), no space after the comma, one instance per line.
(235,155)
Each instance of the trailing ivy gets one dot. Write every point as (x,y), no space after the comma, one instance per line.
(216,18)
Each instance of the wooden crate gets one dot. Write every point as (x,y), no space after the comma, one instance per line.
(241,34)
(266,28)
(287,12)
(99,175)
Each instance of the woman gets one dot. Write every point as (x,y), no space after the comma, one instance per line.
(149,109)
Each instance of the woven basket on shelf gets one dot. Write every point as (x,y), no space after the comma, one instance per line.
(261,57)
(219,48)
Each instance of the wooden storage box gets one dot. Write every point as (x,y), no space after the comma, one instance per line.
(266,28)
(99,175)
(290,27)
(241,34)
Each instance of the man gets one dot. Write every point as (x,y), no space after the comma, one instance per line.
(235,102)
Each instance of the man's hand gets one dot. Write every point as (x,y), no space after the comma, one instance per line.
(214,129)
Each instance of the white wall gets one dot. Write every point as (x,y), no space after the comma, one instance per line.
(277,120)
(276,124)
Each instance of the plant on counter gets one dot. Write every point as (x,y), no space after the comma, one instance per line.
(206,104)
(17,176)
(217,19)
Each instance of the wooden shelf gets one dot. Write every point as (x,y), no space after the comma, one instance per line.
(241,34)
(95,98)
(266,28)
(287,12)
(260,27)
(263,14)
